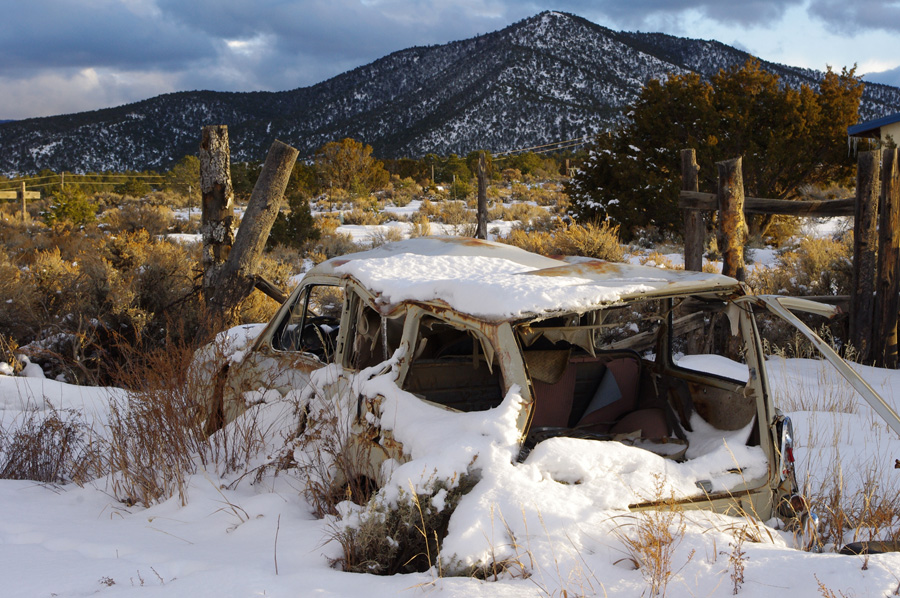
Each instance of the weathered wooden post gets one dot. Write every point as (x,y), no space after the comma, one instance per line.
(694,228)
(217,203)
(235,279)
(887,295)
(21,198)
(481,227)
(865,239)
(732,234)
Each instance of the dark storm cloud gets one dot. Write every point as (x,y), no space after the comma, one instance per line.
(44,34)
(312,40)
(121,49)
(890,77)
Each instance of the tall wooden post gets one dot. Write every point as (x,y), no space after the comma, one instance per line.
(217,204)
(234,280)
(21,194)
(694,229)
(481,227)
(887,295)
(732,235)
(865,239)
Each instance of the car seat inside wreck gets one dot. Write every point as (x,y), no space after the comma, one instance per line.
(648,373)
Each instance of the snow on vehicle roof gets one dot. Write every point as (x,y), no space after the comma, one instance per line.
(495,281)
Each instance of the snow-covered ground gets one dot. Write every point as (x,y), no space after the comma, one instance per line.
(559,514)
(559,518)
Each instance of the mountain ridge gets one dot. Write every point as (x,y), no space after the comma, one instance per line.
(550,77)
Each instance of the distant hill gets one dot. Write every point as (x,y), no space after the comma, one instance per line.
(548,78)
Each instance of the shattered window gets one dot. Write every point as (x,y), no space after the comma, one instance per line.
(373,336)
(703,339)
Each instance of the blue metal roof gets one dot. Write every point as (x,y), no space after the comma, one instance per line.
(873,124)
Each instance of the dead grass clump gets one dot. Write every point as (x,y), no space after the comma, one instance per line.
(872,512)
(526,213)
(385,235)
(51,447)
(816,266)
(330,457)
(364,217)
(540,242)
(138,215)
(403,191)
(592,240)
(420,226)
(589,240)
(404,537)
(658,260)
(333,245)
(455,213)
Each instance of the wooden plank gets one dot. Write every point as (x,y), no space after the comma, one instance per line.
(694,228)
(15,195)
(692,200)
(865,240)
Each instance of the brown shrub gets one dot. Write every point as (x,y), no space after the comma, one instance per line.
(589,240)
(814,267)
(364,217)
(134,216)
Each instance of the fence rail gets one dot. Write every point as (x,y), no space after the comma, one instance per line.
(875,290)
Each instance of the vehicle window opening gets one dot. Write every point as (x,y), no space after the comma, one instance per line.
(627,383)
(313,322)
(375,337)
(455,367)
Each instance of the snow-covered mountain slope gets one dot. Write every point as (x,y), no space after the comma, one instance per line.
(548,78)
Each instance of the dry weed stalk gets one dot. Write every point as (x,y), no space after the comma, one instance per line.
(157,436)
(826,592)
(332,460)
(652,538)
(52,447)
(737,559)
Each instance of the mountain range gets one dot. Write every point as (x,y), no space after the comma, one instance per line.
(548,78)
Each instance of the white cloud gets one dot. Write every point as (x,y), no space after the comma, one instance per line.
(61,92)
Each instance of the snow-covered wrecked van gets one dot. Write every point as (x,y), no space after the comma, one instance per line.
(599,351)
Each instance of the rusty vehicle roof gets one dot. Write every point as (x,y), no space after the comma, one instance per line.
(588,283)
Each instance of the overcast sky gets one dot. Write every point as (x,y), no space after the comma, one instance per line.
(62,56)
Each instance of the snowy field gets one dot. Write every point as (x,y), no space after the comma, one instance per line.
(558,519)
(558,516)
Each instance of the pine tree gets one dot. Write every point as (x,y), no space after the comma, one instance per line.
(787,137)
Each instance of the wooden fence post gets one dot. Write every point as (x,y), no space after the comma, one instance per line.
(862,303)
(235,279)
(481,227)
(21,193)
(887,295)
(217,204)
(732,236)
(694,228)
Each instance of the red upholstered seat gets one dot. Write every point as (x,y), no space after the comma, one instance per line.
(616,395)
(553,402)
